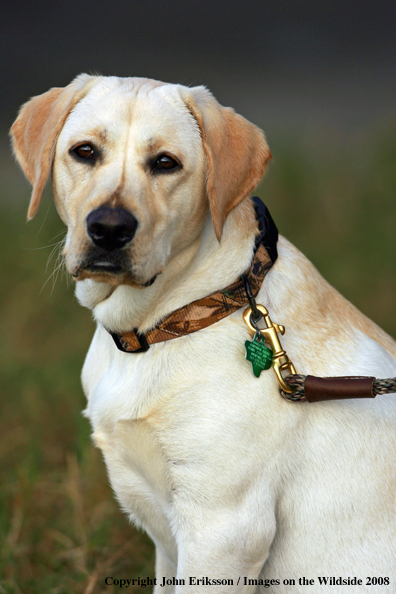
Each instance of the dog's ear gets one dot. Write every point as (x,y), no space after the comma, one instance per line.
(236,151)
(36,130)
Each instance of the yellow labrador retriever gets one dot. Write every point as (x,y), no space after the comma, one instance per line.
(238,488)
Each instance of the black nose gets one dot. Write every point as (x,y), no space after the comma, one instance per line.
(111,228)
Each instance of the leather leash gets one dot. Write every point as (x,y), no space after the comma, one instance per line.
(315,389)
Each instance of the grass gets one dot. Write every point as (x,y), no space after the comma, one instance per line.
(61,530)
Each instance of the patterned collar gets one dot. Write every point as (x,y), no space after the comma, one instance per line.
(209,310)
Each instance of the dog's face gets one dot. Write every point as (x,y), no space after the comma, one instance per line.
(136,165)
(129,181)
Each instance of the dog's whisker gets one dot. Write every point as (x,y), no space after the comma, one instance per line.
(49,278)
(63,232)
(44,247)
(60,268)
(55,277)
(59,264)
(57,248)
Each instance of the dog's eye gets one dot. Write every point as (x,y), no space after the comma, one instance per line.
(165,163)
(84,151)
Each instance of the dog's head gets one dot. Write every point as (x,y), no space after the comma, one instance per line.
(135,166)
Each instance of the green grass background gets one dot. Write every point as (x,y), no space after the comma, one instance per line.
(61,532)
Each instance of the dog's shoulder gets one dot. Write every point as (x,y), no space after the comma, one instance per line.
(325,333)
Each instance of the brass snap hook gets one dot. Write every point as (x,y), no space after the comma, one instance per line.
(281,361)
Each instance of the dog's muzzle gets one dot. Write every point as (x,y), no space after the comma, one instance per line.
(110,230)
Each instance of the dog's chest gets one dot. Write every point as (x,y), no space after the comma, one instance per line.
(128,398)
(164,426)
(138,469)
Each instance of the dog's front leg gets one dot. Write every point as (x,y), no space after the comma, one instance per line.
(165,572)
(222,572)
(223,554)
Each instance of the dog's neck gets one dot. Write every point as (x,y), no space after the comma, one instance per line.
(201,269)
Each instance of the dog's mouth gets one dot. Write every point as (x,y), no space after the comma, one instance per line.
(105,266)
(101,261)
(111,267)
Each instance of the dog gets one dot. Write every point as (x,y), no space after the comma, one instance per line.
(238,488)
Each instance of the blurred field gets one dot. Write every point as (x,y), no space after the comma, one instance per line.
(60,528)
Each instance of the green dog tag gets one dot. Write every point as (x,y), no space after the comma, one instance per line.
(258,354)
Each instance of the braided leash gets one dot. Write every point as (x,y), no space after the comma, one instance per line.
(297,382)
